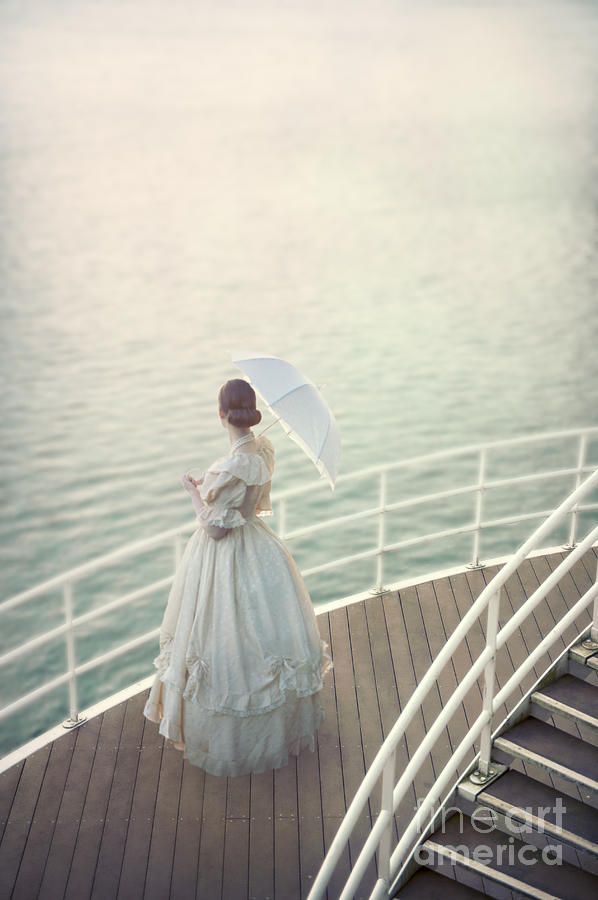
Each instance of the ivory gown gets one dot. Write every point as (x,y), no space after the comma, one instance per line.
(241,661)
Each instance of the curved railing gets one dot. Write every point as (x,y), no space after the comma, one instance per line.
(381,549)
(379,839)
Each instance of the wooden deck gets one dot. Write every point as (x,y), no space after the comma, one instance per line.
(111,810)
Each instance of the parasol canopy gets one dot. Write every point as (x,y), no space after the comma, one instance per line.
(299,406)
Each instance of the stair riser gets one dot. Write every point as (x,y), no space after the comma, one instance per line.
(583,672)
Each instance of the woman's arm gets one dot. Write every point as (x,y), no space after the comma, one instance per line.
(190,485)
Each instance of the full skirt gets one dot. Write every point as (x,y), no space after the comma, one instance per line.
(241,660)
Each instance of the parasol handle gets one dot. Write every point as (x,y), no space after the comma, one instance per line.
(269,426)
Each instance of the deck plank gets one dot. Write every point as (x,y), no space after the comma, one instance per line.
(40,834)
(9,782)
(112,841)
(85,856)
(183,883)
(385,680)
(64,837)
(211,850)
(139,833)
(111,810)
(331,769)
(164,826)
(309,808)
(235,883)
(405,681)
(369,712)
(38,800)
(287,880)
(447,683)
(261,837)
(351,737)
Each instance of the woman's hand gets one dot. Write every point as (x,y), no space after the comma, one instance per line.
(190,484)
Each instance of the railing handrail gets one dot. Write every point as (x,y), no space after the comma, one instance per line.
(448,453)
(389,746)
(88,568)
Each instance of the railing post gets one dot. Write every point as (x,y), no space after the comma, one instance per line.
(74,717)
(388,784)
(475,564)
(485,770)
(381,531)
(581,461)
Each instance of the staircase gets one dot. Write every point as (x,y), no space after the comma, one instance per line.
(531,830)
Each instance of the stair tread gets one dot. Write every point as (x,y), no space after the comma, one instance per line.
(569,753)
(516,860)
(583,656)
(522,792)
(574,693)
(428,885)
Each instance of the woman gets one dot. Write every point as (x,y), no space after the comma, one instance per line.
(241,660)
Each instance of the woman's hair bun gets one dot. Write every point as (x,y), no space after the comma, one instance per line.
(237,398)
(244,418)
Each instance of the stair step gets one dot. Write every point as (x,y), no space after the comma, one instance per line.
(585,657)
(536,742)
(428,885)
(570,697)
(512,863)
(528,801)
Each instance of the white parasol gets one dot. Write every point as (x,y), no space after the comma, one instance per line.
(299,406)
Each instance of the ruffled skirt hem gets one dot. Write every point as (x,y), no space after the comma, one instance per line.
(301,677)
(233,746)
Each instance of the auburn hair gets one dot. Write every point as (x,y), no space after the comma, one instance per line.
(237,399)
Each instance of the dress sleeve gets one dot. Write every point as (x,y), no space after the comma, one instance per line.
(221,493)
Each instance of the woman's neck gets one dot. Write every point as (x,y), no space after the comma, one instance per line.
(235,433)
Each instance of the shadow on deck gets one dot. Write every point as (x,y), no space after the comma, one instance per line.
(112,810)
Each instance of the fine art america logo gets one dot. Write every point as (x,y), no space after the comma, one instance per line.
(507,847)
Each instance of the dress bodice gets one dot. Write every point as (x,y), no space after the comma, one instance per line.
(236,487)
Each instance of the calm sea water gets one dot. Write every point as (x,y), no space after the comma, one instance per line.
(400,198)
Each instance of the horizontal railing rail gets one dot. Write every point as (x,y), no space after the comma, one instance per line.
(381,549)
(379,840)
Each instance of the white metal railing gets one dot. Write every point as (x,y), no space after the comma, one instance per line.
(380,551)
(379,840)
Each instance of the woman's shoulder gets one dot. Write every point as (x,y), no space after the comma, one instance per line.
(248,467)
